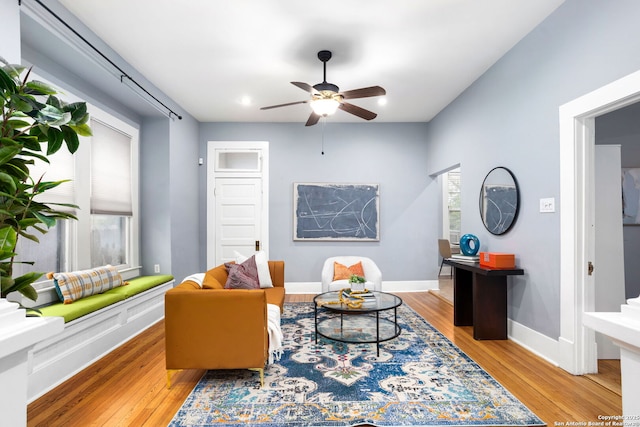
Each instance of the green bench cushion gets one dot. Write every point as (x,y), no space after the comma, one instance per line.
(80,307)
(92,303)
(140,284)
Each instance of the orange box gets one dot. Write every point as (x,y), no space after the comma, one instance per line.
(497,260)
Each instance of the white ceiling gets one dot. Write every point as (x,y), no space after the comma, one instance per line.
(209,54)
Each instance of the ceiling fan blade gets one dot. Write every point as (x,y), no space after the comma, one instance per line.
(304,86)
(284,105)
(357,111)
(365,92)
(313,119)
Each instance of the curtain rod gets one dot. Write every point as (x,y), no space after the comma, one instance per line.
(123,73)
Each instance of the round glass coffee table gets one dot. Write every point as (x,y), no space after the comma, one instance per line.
(375,321)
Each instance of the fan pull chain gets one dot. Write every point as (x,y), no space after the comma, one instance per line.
(324,121)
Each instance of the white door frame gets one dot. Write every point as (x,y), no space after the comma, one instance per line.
(577,346)
(263,146)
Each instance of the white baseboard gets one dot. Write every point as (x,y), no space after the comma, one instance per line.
(387,286)
(537,343)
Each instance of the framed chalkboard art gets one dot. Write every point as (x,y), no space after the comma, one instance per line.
(336,212)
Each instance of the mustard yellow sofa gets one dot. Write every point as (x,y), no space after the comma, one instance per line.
(210,327)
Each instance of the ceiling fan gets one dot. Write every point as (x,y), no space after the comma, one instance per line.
(326,98)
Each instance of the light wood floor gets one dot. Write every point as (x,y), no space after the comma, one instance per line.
(127,387)
(609,373)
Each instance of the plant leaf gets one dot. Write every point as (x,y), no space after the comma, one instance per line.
(9,181)
(71,138)
(78,111)
(48,221)
(55,140)
(8,239)
(53,116)
(82,129)
(36,155)
(20,103)
(43,186)
(23,284)
(8,142)
(8,153)
(41,88)
(6,82)
(18,124)
(29,236)
(14,70)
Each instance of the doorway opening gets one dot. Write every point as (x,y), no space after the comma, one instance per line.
(577,344)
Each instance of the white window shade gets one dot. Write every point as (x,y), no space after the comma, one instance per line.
(110,170)
(59,168)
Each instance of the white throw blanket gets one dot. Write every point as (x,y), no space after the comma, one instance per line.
(198,278)
(275,333)
(273,323)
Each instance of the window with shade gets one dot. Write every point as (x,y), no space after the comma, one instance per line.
(103,185)
(111,201)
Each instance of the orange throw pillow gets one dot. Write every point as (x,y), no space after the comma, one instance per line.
(342,272)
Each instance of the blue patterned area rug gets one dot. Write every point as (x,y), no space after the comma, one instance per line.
(419,379)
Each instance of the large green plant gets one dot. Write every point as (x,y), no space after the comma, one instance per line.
(35,124)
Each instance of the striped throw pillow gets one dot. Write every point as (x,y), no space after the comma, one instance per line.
(79,284)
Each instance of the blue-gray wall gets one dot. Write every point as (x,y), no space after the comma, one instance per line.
(509,117)
(390,154)
(155,196)
(186,234)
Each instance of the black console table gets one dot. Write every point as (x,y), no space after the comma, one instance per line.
(480,298)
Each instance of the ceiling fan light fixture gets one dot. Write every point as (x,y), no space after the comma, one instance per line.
(324,107)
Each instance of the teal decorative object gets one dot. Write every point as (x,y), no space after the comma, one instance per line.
(469,245)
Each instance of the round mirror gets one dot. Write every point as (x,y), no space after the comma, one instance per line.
(499,200)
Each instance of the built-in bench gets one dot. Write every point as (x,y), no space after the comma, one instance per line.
(94,326)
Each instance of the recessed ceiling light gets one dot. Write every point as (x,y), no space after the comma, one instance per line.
(382,101)
(246,100)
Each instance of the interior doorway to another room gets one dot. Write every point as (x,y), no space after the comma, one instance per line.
(450,189)
(577,352)
(452,212)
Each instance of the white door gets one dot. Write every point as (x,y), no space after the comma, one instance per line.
(608,248)
(238,214)
(237,199)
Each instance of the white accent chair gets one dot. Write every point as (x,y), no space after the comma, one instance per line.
(371,272)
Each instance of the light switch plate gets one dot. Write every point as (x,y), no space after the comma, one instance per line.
(548,205)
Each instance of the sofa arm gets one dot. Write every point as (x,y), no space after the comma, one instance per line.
(215,329)
(276,268)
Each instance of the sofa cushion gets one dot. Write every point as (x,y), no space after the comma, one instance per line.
(243,276)
(75,285)
(215,278)
(342,272)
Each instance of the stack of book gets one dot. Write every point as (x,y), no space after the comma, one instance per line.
(465,258)
(367,298)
